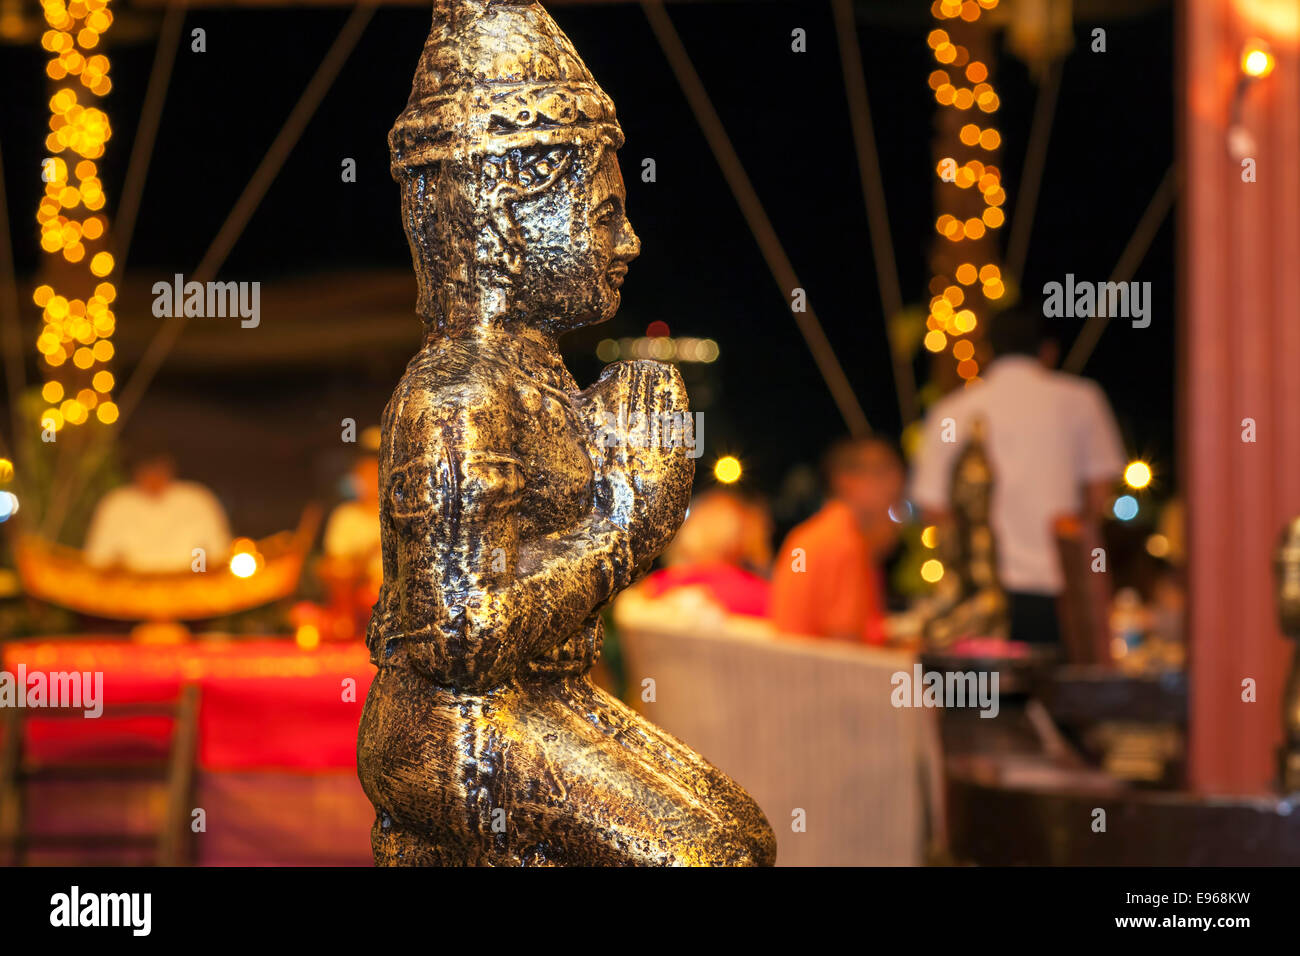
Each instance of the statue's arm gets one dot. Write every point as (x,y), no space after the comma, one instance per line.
(383,618)
(501,599)
(384,615)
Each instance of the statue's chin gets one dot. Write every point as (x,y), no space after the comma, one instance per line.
(573,323)
(610,310)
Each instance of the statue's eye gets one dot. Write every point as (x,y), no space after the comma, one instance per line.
(607,210)
(399,488)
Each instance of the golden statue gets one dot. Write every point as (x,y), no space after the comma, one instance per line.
(514,506)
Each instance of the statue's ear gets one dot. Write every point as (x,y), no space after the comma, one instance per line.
(512,178)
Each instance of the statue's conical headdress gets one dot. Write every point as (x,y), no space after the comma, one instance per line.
(497,75)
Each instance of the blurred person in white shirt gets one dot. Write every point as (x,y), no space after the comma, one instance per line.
(1054,450)
(153,524)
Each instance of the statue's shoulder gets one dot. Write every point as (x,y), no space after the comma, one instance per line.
(452,377)
(448,394)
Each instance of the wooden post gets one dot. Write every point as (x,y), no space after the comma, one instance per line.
(1240,351)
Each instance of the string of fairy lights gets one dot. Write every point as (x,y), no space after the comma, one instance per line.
(961,83)
(74,341)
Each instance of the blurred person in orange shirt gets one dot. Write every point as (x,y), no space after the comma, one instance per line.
(351,567)
(828,580)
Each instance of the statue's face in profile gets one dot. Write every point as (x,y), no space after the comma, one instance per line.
(578,243)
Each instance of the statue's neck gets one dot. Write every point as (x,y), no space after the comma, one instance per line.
(530,350)
(494,334)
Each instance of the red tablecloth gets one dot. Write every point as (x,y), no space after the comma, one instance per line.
(266,704)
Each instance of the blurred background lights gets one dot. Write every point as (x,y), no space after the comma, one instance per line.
(243,565)
(661,347)
(955,312)
(75,328)
(8,505)
(901,512)
(932,570)
(727,469)
(1257,59)
(1126,507)
(307,636)
(1137,475)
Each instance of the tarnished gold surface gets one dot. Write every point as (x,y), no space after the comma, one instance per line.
(514,506)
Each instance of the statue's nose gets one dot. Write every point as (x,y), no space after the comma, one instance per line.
(629,246)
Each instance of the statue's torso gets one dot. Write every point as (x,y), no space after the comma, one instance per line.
(530,397)
(552,443)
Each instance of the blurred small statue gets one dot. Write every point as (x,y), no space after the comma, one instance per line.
(508,517)
(1287,565)
(971,601)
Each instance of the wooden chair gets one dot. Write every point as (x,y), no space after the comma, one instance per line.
(805,726)
(171,844)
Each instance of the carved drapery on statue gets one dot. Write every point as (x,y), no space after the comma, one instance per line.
(514,505)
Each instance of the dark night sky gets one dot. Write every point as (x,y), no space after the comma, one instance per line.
(700,270)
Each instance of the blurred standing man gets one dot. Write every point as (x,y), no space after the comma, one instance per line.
(1054,450)
(154,524)
(827,580)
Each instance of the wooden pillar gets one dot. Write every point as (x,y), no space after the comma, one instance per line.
(1239,344)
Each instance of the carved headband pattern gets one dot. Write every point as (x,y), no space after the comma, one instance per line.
(497,75)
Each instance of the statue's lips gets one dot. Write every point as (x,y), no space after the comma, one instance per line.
(615,274)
